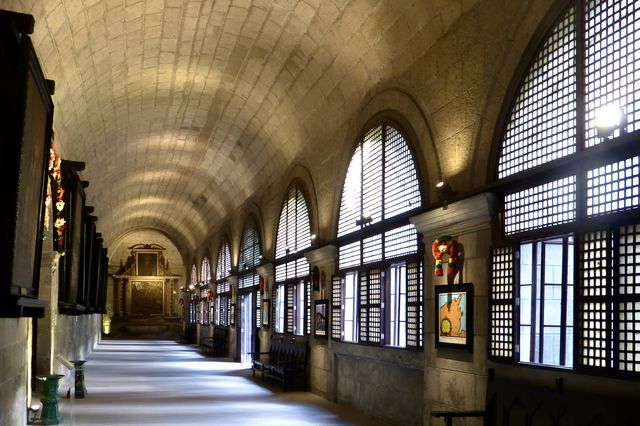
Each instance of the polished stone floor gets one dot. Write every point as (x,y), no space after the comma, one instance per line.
(166,383)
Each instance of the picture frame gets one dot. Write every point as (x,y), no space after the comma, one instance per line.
(232,319)
(454,316)
(321,318)
(266,309)
(26,127)
(147,263)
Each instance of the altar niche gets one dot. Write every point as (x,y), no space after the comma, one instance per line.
(145,287)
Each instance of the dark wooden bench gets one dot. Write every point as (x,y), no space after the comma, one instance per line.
(285,362)
(514,403)
(206,345)
(216,345)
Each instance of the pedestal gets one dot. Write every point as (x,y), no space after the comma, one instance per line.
(50,410)
(80,388)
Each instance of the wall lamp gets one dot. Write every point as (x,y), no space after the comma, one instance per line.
(444,191)
(609,119)
(365,219)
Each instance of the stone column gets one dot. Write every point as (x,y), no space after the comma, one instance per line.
(322,377)
(46,326)
(234,333)
(456,379)
(267,272)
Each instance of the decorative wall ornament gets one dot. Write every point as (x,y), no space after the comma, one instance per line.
(57,192)
(445,246)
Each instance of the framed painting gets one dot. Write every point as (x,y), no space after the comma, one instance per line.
(266,308)
(26,114)
(321,318)
(147,264)
(454,316)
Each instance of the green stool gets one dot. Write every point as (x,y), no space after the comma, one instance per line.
(81,390)
(50,410)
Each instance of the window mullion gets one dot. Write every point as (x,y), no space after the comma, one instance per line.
(542,283)
(564,293)
(613,278)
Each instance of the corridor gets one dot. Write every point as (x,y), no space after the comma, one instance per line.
(165,383)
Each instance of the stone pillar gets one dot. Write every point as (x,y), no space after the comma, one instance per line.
(48,291)
(268,274)
(456,379)
(234,333)
(322,377)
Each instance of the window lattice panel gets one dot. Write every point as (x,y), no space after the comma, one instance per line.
(372,249)
(502,274)
(349,255)
(205,271)
(281,272)
(250,248)
(629,257)
(381,180)
(549,204)
(372,175)
(402,192)
(612,62)
(594,317)
(194,275)
(629,336)
(249,280)
(223,268)
(308,312)
(336,307)
(502,331)
(629,293)
(298,268)
(501,303)
(294,229)
(258,309)
(542,125)
(414,305)
(290,308)
(375,309)
(400,242)
(593,344)
(595,273)
(613,187)
(363,319)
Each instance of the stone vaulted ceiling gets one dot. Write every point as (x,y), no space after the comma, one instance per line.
(182,109)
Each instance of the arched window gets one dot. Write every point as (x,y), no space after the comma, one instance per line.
(248,276)
(204,310)
(223,288)
(377,297)
(292,298)
(205,271)
(193,286)
(223,266)
(564,289)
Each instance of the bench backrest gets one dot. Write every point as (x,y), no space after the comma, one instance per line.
(284,351)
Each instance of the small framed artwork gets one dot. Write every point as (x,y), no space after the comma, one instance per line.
(232,320)
(454,316)
(320,318)
(266,308)
(147,264)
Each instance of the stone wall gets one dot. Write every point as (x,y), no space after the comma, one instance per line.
(15,349)
(383,383)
